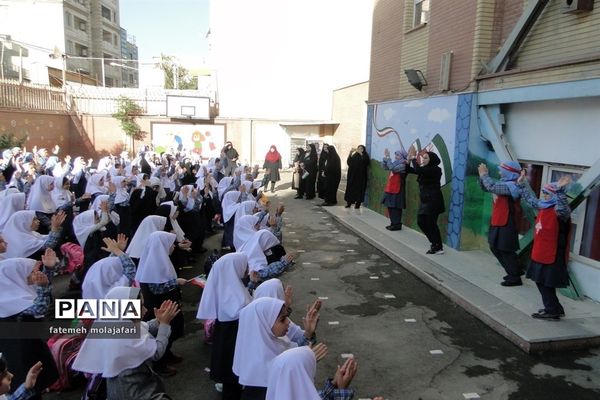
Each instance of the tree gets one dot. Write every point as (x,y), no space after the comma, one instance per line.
(9,140)
(176,74)
(127,112)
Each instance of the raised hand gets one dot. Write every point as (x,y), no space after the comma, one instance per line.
(49,258)
(320,351)
(287,292)
(522,176)
(310,321)
(37,277)
(57,220)
(32,375)
(104,207)
(482,169)
(112,246)
(291,257)
(386,153)
(564,181)
(167,311)
(122,241)
(345,373)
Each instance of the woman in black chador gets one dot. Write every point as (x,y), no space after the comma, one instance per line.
(309,165)
(333,175)
(321,172)
(356,184)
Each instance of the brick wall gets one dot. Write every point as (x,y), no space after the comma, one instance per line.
(386,49)
(451,28)
(40,129)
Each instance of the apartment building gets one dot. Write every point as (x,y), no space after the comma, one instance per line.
(484,82)
(87,31)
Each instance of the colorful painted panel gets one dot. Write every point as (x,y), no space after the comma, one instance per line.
(204,140)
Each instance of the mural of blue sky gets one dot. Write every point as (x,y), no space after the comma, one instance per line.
(426,124)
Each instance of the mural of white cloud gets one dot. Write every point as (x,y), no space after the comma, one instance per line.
(438,115)
(389,113)
(413,131)
(414,104)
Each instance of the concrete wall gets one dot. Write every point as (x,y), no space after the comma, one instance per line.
(350,111)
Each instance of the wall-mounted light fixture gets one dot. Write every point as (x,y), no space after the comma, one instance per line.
(416,78)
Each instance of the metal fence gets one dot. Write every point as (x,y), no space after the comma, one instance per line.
(26,96)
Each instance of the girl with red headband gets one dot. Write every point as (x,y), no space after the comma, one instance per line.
(550,253)
(503,236)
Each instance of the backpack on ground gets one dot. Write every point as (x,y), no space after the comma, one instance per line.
(64,350)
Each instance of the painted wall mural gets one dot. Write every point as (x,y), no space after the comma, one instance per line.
(204,140)
(425,124)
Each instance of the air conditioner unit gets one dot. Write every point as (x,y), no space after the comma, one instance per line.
(82,26)
(577,6)
(84,52)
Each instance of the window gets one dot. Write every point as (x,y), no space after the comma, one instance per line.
(591,227)
(106,13)
(68,19)
(106,36)
(115,40)
(80,24)
(69,47)
(421,12)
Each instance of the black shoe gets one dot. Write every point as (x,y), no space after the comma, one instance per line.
(327,204)
(298,197)
(388,227)
(546,316)
(347,205)
(514,283)
(165,371)
(394,228)
(560,313)
(356,207)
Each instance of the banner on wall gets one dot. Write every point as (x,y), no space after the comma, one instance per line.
(204,140)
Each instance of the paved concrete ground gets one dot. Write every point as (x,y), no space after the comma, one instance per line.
(411,342)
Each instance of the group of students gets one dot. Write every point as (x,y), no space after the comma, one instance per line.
(126,235)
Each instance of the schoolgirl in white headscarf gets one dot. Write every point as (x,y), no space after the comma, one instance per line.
(245,227)
(292,376)
(126,362)
(173,213)
(255,248)
(155,265)
(150,224)
(22,240)
(106,274)
(245,208)
(62,197)
(11,203)
(95,184)
(40,198)
(223,297)
(223,185)
(262,323)
(97,206)
(86,223)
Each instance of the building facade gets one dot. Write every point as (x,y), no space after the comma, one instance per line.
(86,31)
(484,82)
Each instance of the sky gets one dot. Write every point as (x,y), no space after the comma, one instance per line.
(171,27)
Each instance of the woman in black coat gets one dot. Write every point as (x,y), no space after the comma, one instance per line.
(356,185)
(333,175)
(309,164)
(432,201)
(321,172)
(299,171)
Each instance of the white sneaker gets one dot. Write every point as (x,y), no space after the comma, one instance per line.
(219,387)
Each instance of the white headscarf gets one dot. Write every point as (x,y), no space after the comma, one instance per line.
(122,195)
(248,185)
(78,169)
(223,185)
(256,347)
(150,224)
(292,375)
(243,230)
(22,241)
(230,204)
(102,276)
(97,206)
(224,294)
(245,208)
(155,265)
(40,198)
(93,184)
(83,226)
(110,357)
(16,294)
(178,231)
(154,181)
(11,203)
(255,248)
(60,195)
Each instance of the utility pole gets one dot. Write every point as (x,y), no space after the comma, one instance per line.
(103,74)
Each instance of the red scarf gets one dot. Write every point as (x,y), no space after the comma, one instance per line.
(272,156)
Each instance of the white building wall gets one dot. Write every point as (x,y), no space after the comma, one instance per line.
(283,58)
